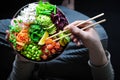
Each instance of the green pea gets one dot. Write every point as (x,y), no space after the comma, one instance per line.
(27,49)
(36,52)
(30,45)
(34,55)
(33,58)
(28,52)
(32,51)
(25,52)
(38,58)
(34,47)
(38,55)
(39,52)
(28,56)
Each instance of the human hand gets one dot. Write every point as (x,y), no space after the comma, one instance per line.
(90,38)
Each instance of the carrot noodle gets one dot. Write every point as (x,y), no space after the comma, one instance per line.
(22,38)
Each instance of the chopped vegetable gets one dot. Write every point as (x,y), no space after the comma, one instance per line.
(32,51)
(50,47)
(14,28)
(12,39)
(35,32)
(45,8)
(59,20)
(44,20)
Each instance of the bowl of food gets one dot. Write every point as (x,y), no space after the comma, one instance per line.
(31,28)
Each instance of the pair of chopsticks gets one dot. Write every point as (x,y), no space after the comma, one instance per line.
(92,25)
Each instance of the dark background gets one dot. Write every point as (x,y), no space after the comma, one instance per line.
(112,26)
(87,7)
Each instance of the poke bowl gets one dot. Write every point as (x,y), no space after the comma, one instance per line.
(31,27)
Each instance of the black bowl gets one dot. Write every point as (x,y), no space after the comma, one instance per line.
(63,19)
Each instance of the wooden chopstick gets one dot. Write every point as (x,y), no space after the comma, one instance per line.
(62,37)
(90,19)
(57,34)
(78,24)
(92,25)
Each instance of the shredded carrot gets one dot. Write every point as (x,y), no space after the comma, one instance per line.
(23,36)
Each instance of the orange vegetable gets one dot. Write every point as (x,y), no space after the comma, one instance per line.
(48,41)
(44,57)
(50,46)
(57,46)
(23,36)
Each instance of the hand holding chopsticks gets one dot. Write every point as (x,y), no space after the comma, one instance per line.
(86,27)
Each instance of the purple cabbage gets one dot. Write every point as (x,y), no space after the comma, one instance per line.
(59,20)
